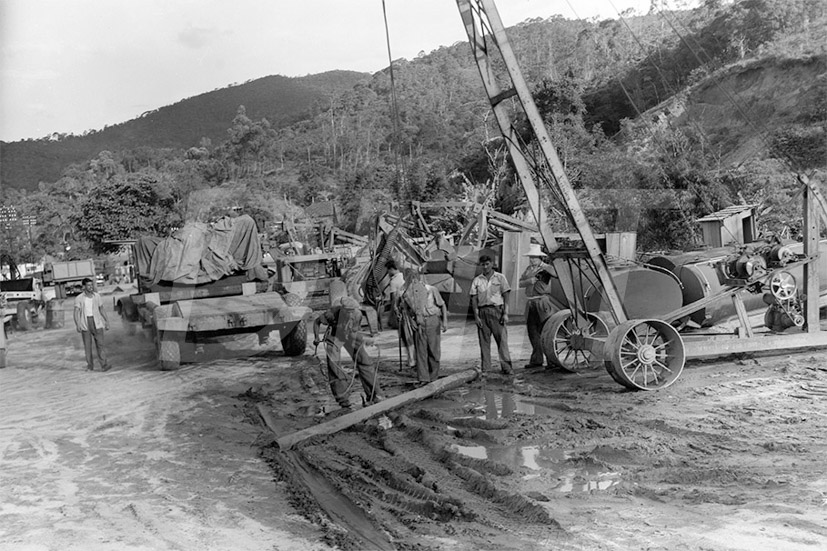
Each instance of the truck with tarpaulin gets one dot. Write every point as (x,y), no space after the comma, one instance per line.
(206,283)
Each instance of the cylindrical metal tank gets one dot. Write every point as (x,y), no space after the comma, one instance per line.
(700,278)
(646,293)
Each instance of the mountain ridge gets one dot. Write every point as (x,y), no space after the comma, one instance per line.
(183,124)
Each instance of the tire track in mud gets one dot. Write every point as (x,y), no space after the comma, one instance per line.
(406,486)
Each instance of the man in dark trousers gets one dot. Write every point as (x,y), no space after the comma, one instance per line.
(343,323)
(425,308)
(535,280)
(91,321)
(489,302)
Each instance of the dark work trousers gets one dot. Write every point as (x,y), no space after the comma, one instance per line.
(490,320)
(534,325)
(93,336)
(366,364)
(428,351)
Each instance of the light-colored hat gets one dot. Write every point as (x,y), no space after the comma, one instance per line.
(535,250)
(349,303)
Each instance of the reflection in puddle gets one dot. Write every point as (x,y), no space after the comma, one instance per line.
(579,475)
(495,405)
(572,476)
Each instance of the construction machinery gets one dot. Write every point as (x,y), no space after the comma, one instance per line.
(207,285)
(24,297)
(639,353)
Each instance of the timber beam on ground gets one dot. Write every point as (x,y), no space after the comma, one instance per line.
(288,441)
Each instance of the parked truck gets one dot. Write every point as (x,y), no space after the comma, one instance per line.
(67,277)
(23,297)
(207,284)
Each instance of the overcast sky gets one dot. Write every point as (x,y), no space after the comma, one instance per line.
(76,65)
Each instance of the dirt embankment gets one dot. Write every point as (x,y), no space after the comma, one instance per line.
(729,458)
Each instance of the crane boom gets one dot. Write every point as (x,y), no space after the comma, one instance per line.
(486,34)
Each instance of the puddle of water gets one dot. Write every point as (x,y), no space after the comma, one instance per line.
(572,477)
(488,404)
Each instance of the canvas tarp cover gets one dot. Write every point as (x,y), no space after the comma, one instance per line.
(198,253)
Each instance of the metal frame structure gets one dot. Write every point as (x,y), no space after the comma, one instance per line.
(639,354)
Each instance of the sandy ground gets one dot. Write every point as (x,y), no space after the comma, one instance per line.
(731,457)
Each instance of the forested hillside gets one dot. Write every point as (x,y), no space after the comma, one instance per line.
(280,100)
(712,106)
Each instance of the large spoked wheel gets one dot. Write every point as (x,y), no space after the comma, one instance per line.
(644,354)
(564,343)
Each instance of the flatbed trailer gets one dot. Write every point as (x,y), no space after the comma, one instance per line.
(181,318)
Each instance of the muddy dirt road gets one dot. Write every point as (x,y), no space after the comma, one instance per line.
(732,457)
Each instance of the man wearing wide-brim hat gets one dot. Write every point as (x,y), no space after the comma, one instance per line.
(535,280)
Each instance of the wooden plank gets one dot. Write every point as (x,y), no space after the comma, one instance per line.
(237,304)
(443,204)
(811,277)
(306,287)
(2,342)
(299,258)
(708,346)
(527,226)
(186,293)
(515,245)
(239,312)
(745,329)
(287,441)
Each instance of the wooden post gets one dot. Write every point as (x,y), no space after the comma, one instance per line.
(2,345)
(329,427)
(515,245)
(811,283)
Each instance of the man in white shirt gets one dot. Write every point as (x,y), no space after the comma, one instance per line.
(91,321)
(489,302)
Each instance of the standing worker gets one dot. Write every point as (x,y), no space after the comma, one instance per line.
(91,321)
(407,331)
(343,329)
(392,291)
(489,302)
(539,304)
(429,316)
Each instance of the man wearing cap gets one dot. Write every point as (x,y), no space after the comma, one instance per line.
(343,323)
(535,280)
(489,302)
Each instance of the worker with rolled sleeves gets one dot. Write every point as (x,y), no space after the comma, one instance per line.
(426,309)
(343,322)
(489,302)
(535,281)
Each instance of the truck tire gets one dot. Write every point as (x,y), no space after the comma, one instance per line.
(24,315)
(169,355)
(129,314)
(127,309)
(295,342)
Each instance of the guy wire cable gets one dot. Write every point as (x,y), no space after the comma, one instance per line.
(760,129)
(394,103)
(694,124)
(617,79)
